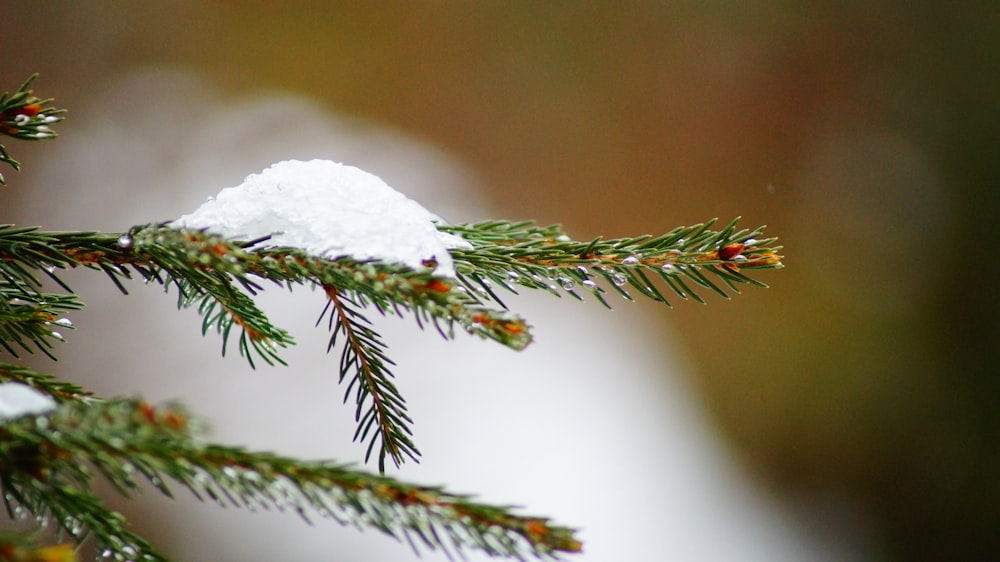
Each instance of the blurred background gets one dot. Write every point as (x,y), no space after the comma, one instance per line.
(864,382)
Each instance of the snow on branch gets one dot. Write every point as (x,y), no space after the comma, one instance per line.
(329,210)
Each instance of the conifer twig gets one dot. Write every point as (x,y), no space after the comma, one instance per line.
(25,117)
(61,391)
(363,359)
(217,275)
(219,278)
(49,460)
(523,254)
(45,460)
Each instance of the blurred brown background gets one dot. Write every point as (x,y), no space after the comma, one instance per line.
(862,133)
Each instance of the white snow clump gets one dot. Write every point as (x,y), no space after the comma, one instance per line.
(18,400)
(329,210)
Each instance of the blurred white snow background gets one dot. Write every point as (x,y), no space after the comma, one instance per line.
(594,425)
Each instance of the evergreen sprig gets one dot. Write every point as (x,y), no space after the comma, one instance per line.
(364,359)
(25,117)
(45,471)
(61,391)
(219,277)
(511,254)
(31,320)
(48,462)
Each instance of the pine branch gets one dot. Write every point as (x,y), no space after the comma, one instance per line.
(203,269)
(511,254)
(59,390)
(217,276)
(48,462)
(25,117)
(28,315)
(363,357)
(44,460)
(393,289)
(79,514)
(198,263)
(30,320)
(26,250)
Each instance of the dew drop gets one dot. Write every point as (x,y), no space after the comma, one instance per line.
(567,283)
(631,260)
(513,275)
(668,267)
(73,525)
(583,269)
(739,257)
(58,336)
(21,119)
(681,241)
(279,503)
(125,241)
(618,279)
(158,483)
(749,241)
(589,283)
(65,322)
(563,238)
(552,287)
